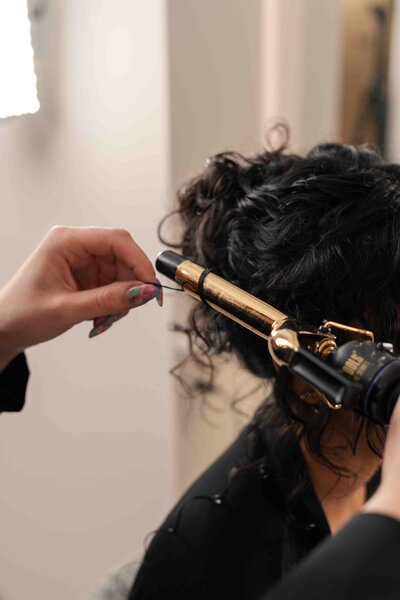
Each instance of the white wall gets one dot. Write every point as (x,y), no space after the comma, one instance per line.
(215,106)
(94,460)
(86,470)
(301,69)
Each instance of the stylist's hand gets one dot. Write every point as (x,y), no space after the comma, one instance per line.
(76,273)
(386,499)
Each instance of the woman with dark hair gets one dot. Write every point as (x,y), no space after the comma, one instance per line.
(77,272)
(317,238)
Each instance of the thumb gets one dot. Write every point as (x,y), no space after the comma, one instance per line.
(112,298)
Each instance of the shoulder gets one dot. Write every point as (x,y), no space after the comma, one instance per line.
(223,527)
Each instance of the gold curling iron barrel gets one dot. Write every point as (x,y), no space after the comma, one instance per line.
(359,375)
(284,334)
(226,298)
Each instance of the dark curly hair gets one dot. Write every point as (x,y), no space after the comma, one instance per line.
(318,237)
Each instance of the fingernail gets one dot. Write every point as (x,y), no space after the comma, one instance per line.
(106,323)
(140,294)
(159,289)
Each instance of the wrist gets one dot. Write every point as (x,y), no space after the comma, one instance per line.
(10,345)
(7,358)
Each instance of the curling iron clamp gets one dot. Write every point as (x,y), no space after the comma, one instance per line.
(359,375)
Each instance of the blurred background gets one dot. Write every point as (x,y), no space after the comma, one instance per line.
(134,96)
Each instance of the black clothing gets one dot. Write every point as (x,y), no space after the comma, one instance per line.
(13,382)
(235,533)
(361,561)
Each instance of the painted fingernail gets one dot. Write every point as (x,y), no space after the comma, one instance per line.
(106,323)
(159,289)
(140,294)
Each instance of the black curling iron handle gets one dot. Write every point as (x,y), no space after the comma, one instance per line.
(338,388)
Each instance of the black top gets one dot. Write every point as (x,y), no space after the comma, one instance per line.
(13,382)
(362,561)
(235,532)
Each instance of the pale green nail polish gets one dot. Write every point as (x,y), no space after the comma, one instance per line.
(98,329)
(140,294)
(106,323)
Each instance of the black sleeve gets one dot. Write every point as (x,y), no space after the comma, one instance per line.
(361,561)
(13,382)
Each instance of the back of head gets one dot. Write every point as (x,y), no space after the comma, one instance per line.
(318,237)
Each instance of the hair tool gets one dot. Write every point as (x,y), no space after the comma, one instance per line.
(359,375)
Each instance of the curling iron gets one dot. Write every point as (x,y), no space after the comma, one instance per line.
(360,375)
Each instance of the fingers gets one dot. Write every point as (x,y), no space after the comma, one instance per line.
(106,301)
(102,324)
(88,277)
(107,271)
(111,272)
(107,243)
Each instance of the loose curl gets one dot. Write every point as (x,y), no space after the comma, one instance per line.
(318,237)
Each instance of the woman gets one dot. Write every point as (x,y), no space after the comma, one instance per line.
(65,282)
(318,238)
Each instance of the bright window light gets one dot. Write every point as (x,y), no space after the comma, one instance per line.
(18,93)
